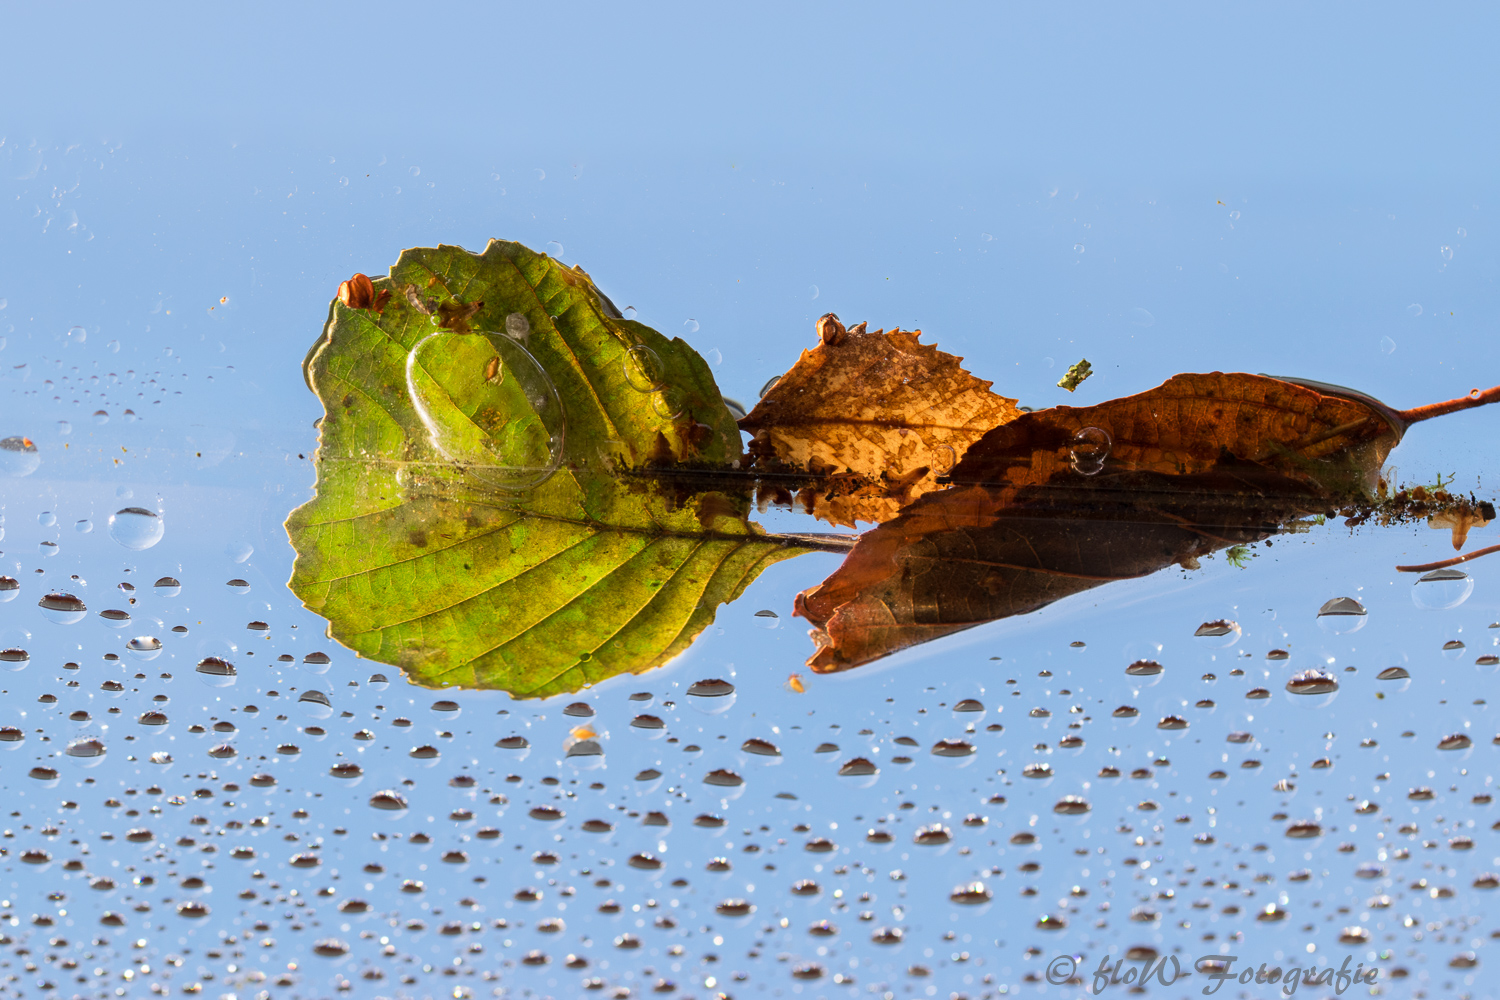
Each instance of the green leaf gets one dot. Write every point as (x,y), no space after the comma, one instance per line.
(472,524)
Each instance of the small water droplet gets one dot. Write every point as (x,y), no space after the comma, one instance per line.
(83,527)
(64,609)
(1445,252)
(239,551)
(712,696)
(1090,448)
(167,587)
(144,647)
(216,672)
(46,519)
(770,384)
(1387,345)
(554,248)
(1342,615)
(1442,589)
(1140,317)
(136,528)
(18,457)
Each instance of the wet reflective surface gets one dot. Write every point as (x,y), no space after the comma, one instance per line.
(1283,754)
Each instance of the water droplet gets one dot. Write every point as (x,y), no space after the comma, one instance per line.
(64,609)
(18,457)
(711,696)
(1078,248)
(972,894)
(506,431)
(114,617)
(1387,345)
(1312,682)
(770,384)
(953,749)
(167,587)
(1089,450)
(101,417)
(216,672)
(628,312)
(47,548)
(46,519)
(1219,634)
(83,527)
(554,248)
(314,704)
(14,658)
(86,751)
(77,335)
(1140,317)
(692,327)
(766,618)
(1445,252)
(813,291)
(144,647)
(970,709)
(1342,615)
(736,408)
(1442,589)
(136,528)
(239,552)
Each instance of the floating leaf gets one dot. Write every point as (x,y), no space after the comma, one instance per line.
(878,407)
(469,524)
(1062,500)
(1075,375)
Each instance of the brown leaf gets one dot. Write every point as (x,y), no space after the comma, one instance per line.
(1334,440)
(358,292)
(1459,522)
(879,405)
(1062,500)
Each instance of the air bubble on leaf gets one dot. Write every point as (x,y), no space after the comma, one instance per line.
(1342,615)
(644,371)
(1442,589)
(144,647)
(711,696)
(136,528)
(18,457)
(1089,450)
(669,402)
(506,433)
(517,327)
(943,459)
(63,609)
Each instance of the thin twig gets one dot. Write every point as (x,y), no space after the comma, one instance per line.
(1443,563)
(1474,398)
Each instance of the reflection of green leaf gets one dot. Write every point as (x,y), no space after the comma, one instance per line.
(420,550)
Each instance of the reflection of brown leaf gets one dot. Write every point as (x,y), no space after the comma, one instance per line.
(966,556)
(879,405)
(456,315)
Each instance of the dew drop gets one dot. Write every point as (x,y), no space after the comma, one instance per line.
(136,528)
(18,457)
(63,609)
(1442,589)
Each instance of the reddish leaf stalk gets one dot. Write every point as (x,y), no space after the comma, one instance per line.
(1474,398)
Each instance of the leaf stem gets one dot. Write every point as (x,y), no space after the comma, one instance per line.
(1474,398)
(1444,563)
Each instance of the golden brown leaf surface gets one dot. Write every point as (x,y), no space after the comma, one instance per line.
(876,405)
(1190,424)
(1066,499)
